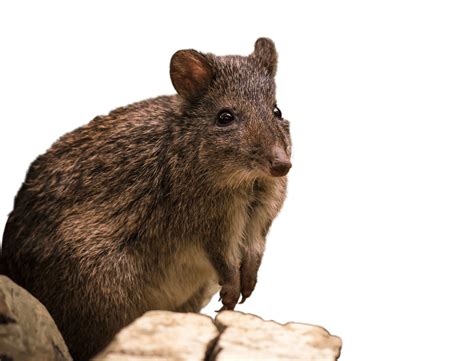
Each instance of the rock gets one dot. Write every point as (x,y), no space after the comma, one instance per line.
(245,336)
(27,331)
(162,335)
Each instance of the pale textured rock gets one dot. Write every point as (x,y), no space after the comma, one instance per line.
(162,335)
(27,331)
(248,337)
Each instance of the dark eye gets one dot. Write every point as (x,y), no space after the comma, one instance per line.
(277,112)
(225,118)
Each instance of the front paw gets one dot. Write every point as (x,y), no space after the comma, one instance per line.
(248,278)
(230,294)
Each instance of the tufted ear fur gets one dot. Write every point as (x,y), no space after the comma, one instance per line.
(265,52)
(191,73)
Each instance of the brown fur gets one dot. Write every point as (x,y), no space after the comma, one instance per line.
(154,205)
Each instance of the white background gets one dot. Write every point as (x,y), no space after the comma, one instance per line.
(374,241)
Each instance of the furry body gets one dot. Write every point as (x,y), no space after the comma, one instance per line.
(150,207)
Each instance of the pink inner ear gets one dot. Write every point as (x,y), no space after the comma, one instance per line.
(190,73)
(200,73)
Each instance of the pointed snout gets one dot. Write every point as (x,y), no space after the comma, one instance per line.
(280,163)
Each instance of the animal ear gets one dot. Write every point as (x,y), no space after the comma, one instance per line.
(265,52)
(191,73)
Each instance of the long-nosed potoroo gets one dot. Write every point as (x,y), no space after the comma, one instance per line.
(157,205)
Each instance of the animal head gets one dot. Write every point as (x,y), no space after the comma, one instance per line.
(230,108)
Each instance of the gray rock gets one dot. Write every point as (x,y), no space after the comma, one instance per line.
(248,337)
(162,335)
(27,331)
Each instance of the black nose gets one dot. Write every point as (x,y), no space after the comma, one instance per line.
(280,164)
